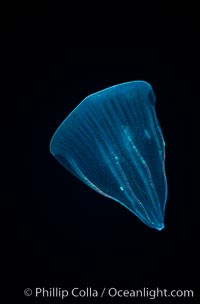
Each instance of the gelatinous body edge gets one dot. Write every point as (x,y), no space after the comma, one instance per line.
(95,94)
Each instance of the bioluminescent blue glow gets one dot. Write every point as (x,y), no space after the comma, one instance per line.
(112,141)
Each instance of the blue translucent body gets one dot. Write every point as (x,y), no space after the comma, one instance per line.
(112,141)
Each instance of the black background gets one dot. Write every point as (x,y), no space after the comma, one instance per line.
(63,233)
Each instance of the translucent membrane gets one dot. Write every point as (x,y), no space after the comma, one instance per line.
(112,141)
